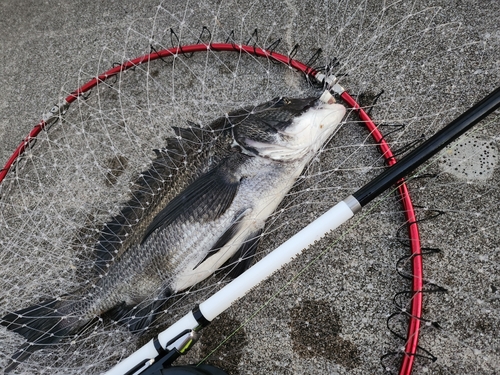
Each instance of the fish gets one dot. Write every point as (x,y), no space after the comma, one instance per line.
(182,224)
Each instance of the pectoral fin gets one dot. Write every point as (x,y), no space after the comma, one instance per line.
(207,198)
(242,259)
(225,237)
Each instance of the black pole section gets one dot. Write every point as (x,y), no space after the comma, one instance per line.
(429,148)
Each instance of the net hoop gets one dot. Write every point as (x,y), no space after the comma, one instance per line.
(416,302)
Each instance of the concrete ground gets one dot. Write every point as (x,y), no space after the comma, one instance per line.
(433,59)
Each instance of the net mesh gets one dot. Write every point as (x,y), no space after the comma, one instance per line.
(430,63)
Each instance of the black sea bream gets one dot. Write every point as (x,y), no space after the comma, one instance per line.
(176,231)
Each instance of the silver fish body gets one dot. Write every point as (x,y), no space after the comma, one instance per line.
(214,220)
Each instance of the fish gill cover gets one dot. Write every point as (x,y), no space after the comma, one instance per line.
(431,61)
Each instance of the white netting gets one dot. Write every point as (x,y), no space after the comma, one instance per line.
(332,319)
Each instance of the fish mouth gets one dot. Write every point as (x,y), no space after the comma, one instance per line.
(326,98)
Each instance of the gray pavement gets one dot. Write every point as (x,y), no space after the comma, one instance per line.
(433,59)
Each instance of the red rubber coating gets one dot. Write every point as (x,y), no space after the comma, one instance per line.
(21,148)
(415,245)
(219,47)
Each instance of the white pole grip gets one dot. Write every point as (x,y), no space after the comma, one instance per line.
(237,288)
(282,255)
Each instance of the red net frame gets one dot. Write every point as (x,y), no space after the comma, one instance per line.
(415,313)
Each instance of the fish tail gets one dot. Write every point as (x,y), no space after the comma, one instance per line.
(42,325)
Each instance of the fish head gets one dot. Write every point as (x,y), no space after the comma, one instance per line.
(288,129)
